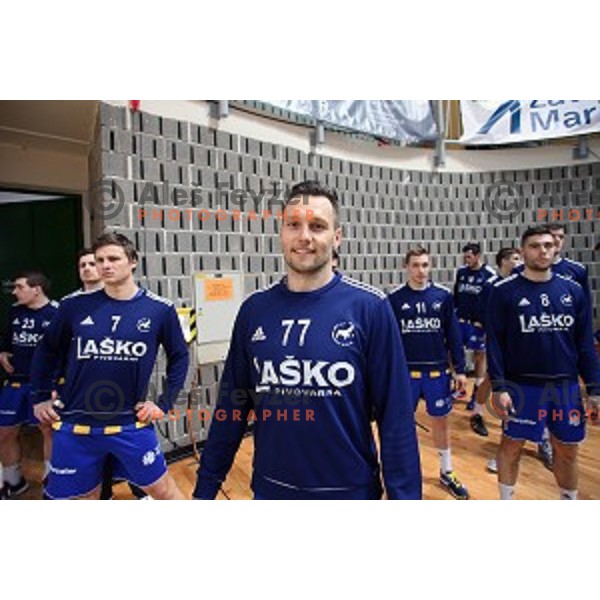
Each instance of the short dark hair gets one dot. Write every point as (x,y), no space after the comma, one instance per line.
(420,251)
(556,226)
(536,230)
(84,252)
(116,239)
(473,247)
(504,253)
(597,247)
(335,256)
(305,189)
(35,279)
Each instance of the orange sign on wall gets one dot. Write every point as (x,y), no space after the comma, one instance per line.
(218,289)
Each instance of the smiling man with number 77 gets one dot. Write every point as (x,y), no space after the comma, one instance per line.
(312,358)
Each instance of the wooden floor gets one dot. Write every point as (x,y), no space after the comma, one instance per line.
(469,452)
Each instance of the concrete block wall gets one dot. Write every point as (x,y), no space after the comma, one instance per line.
(384,211)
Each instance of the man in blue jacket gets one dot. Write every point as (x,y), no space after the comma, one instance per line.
(430,335)
(540,341)
(311,358)
(109,339)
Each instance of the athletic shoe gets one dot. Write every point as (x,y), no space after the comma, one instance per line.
(18,489)
(545,454)
(478,425)
(454,486)
(492,465)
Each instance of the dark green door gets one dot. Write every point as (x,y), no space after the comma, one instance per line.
(42,235)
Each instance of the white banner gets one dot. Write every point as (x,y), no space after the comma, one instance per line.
(410,121)
(512,121)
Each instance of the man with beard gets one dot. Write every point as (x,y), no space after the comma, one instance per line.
(311,358)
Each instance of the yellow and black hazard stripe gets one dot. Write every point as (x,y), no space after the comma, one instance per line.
(193,327)
(187,320)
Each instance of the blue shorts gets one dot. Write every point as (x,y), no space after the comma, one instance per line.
(435,387)
(78,459)
(15,405)
(473,336)
(557,406)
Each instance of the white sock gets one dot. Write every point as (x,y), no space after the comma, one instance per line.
(506,491)
(12,475)
(46,468)
(478,410)
(568,494)
(445,460)
(546,434)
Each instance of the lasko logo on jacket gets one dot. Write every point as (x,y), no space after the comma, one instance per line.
(110,349)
